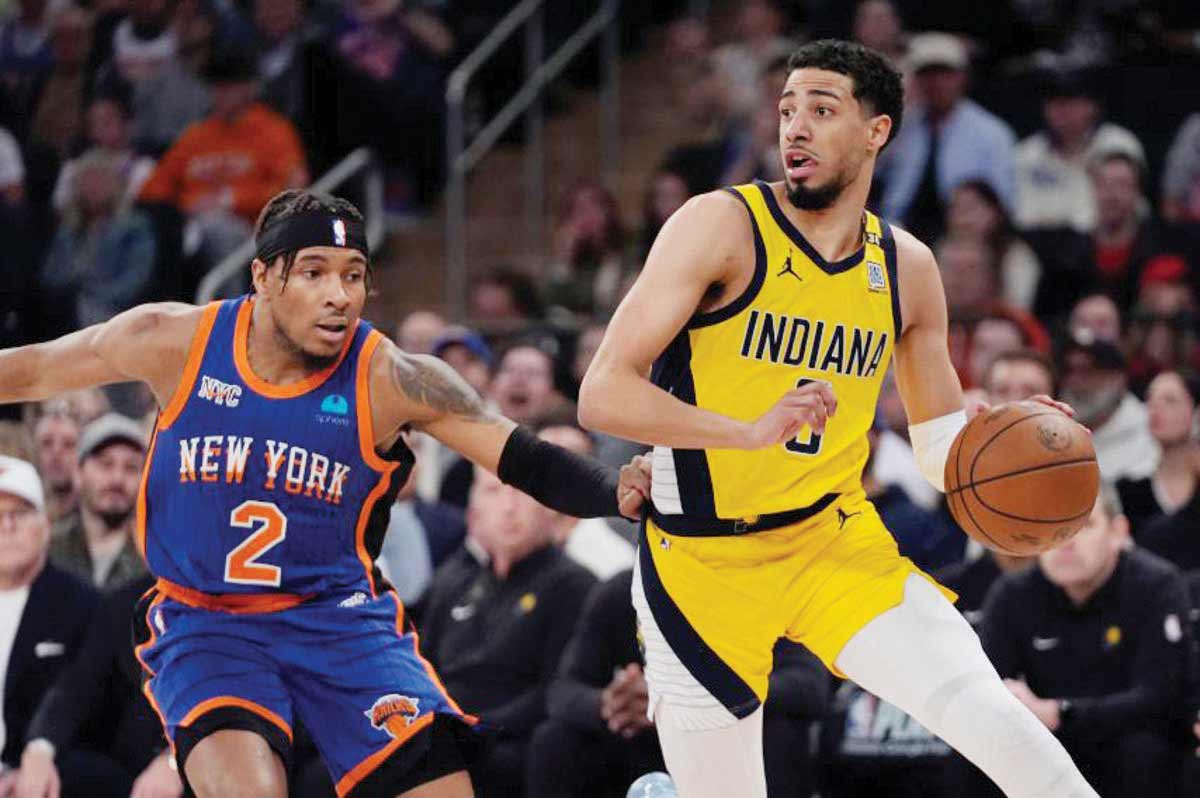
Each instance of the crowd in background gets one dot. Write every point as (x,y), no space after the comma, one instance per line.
(1050,156)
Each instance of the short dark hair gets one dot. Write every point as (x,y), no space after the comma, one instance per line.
(877,82)
(298,200)
(1025,355)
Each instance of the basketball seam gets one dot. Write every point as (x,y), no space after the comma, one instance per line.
(1014,517)
(967,507)
(1001,431)
(1021,471)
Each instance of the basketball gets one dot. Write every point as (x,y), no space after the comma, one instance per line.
(1022,478)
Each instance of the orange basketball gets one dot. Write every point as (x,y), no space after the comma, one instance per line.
(1022,478)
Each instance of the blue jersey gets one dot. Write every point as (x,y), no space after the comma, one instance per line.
(268,491)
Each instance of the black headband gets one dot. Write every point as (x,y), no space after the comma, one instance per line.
(310,229)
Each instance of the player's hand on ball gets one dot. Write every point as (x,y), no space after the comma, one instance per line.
(809,405)
(634,487)
(977,406)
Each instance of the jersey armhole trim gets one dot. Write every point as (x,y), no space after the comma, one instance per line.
(362,402)
(756,282)
(191,366)
(893,273)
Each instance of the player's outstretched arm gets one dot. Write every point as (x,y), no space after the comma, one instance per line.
(148,344)
(426,393)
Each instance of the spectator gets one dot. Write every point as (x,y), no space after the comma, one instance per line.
(26,57)
(287,44)
(590,542)
(1018,374)
(1053,186)
(419,331)
(877,25)
(756,151)
(101,260)
(975,210)
(1095,384)
(110,131)
(1093,641)
(499,614)
(468,354)
(1098,316)
(992,336)
(944,140)
(100,691)
(893,458)
(420,536)
(224,169)
(44,613)
(56,435)
(58,118)
(1162,331)
(12,174)
(524,384)
(504,299)
(1171,402)
(589,242)
(969,277)
(921,535)
(1174,537)
(665,193)
(15,441)
(1181,176)
(97,543)
(758,40)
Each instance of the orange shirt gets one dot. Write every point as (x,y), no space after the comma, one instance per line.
(254,157)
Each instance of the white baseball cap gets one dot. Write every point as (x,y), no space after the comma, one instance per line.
(21,479)
(927,50)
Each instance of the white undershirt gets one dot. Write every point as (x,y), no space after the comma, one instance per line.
(12,607)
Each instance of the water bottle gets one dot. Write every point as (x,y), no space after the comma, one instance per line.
(653,785)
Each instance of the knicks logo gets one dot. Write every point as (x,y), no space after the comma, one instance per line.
(393,713)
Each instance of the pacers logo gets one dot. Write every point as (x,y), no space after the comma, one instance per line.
(393,713)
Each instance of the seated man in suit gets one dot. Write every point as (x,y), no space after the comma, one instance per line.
(44,612)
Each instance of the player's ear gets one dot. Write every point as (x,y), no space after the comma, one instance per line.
(878,129)
(258,276)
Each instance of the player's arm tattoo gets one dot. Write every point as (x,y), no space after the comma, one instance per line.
(433,383)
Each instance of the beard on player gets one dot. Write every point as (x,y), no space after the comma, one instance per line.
(807,197)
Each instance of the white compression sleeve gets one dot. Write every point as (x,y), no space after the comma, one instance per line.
(713,763)
(924,658)
(931,442)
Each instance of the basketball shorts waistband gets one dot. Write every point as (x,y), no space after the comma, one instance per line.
(236,603)
(698,526)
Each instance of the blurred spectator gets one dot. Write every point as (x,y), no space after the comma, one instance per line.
(1095,384)
(109,130)
(972,579)
(589,541)
(16,282)
(1053,186)
(1171,402)
(86,404)
(1162,330)
(666,192)
(1094,642)
(877,25)
(893,458)
(687,45)
(756,154)
(56,435)
(468,354)
(97,543)
(498,616)
(969,276)
(224,169)
(1181,175)
(589,241)
(100,691)
(712,136)
(944,140)
(757,41)
(12,173)
(1174,536)
(44,613)
(1098,316)
(1018,374)
(15,441)
(921,535)
(1123,240)
(26,57)
(586,345)
(992,337)
(524,384)
(504,299)
(101,260)
(419,330)
(975,210)
(597,738)
(58,118)
(420,536)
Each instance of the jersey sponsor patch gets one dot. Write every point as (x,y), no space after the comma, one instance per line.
(876,281)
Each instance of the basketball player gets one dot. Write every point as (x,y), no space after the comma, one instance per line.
(276,455)
(765,318)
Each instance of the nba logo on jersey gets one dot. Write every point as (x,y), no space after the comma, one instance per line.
(875,279)
(339,233)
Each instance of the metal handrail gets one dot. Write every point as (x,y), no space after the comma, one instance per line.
(460,158)
(360,160)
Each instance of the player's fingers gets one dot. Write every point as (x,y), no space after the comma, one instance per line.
(826,393)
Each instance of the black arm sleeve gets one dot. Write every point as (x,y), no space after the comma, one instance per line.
(562,480)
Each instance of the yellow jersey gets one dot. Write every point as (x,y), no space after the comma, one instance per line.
(800,319)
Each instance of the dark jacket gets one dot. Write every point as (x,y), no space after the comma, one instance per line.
(56,618)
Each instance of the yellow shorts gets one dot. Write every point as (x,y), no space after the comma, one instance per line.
(720,603)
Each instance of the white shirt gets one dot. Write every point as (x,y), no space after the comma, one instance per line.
(593,544)
(12,168)
(12,607)
(1124,446)
(895,464)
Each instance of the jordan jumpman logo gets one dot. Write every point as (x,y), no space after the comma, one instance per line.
(843,517)
(787,268)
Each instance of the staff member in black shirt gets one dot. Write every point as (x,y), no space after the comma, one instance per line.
(1094,642)
(497,617)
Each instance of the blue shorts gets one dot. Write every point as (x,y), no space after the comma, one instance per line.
(344,665)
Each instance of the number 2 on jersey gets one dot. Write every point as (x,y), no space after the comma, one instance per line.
(240,564)
(813,444)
